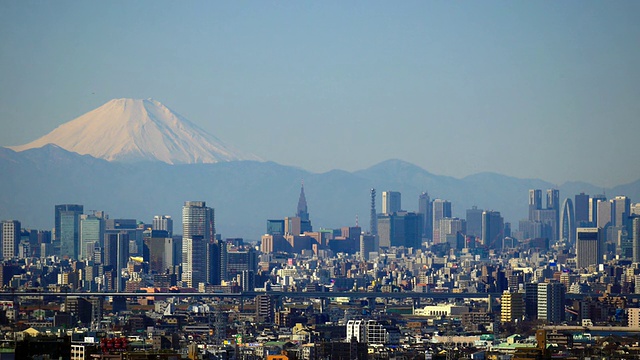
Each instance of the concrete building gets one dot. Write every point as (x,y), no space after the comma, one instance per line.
(551,302)
(10,238)
(588,247)
(512,306)
(391,202)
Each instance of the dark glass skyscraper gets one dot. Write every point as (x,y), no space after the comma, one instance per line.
(67,229)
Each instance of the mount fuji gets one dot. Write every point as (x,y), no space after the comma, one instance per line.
(132,130)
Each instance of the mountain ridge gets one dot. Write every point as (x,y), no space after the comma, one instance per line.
(244,193)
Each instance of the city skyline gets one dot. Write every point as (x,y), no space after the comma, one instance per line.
(512,89)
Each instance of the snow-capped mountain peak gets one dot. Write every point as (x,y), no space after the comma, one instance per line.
(138,130)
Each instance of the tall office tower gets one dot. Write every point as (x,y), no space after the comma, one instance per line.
(10,239)
(492,229)
(635,235)
(531,300)
(241,260)
(67,229)
(589,247)
(551,302)
(512,306)
(116,255)
(452,231)
(157,251)
(424,208)
(373,220)
(293,225)
(474,221)
(441,209)
(535,202)
(553,203)
(604,214)
(91,233)
(368,244)
(581,209)
(391,202)
(567,222)
(198,230)
(635,209)
(400,229)
(593,209)
(163,222)
(620,210)
(303,213)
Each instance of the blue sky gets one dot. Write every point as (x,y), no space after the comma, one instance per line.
(540,89)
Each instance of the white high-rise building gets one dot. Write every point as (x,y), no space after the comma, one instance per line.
(10,238)
(391,202)
(198,230)
(163,222)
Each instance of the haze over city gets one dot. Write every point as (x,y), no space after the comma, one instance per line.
(542,90)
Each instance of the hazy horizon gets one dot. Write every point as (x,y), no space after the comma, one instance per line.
(544,90)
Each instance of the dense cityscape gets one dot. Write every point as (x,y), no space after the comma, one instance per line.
(411,284)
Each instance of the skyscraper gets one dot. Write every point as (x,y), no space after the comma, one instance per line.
(116,255)
(198,230)
(535,202)
(303,213)
(441,209)
(474,221)
(553,203)
(551,302)
(67,229)
(424,208)
(567,222)
(10,239)
(91,232)
(391,202)
(588,247)
(492,229)
(581,209)
(635,236)
(593,209)
(620,210)
(163,222)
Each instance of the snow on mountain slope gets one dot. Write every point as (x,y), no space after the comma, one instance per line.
(138,130)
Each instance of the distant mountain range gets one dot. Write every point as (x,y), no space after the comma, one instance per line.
(244,193)
(137,158)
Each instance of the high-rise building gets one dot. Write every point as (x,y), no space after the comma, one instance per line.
(567,222)
(92,229)
(474,221)
(553,204)
(67,229)
(511,306)
(535,202)
(593,209)
(604,214)
(116,255)
(368,244)
(303,213)
(158,251)
(551,302)
(581,210)
(635,236)
(198,230)
(163,222)
(391,202)
(10,238)
(424,209)
(620,211)
(589,246)
(441,209)
(492,229)
(452,231)
(400,229)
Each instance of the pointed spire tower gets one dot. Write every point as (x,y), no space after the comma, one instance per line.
(302,213)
